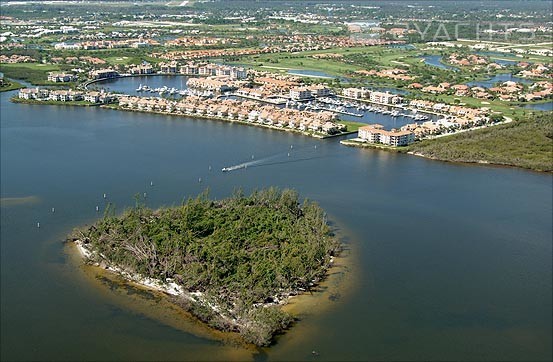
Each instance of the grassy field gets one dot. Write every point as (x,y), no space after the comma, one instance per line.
(337,67)
(285,61)
(352,126)
(34,73)
(10,85)
(527,144)
(508,109)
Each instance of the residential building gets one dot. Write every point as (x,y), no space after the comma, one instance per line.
(104,74)
(385,98)
(377,134)
(61,77)
(300,93)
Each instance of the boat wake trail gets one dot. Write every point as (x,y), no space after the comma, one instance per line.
(293,155)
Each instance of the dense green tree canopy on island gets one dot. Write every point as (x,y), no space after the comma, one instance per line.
(239,252)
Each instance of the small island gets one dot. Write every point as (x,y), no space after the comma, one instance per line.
(232,263)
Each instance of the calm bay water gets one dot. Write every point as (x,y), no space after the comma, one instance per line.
(545,106)
(451,261)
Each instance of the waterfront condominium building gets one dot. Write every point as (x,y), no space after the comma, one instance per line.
(104,74)
(385,98)
(300,93)
(356,92)
(376,134)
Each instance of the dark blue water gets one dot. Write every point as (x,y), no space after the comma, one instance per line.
(452,262)
(545,106)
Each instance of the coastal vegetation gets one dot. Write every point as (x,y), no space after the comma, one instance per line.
(34,73)
(526,143)
(8,85)
(237,260)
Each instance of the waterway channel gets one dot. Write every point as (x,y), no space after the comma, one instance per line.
(449,261)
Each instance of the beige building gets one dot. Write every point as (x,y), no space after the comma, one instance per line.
(377,134)
(300,93)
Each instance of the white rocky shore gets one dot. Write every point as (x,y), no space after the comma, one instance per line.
(169,287)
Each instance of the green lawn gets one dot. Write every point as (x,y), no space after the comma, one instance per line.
(10,85)
(507,108)
(336,67)
(352,126)
(277,63)
(35,73)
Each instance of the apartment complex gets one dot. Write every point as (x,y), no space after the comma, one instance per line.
(208,69)
(373,96)
(377,134)
(61,77)
(299,93)
(104,74)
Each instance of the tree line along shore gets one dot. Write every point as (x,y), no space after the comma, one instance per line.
(232,263)
(525,143)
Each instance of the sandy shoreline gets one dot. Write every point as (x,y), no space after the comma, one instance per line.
(169,287)
(172,289)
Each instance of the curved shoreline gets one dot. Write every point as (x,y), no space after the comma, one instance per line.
(227,120)
(178,296)
(221,295)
